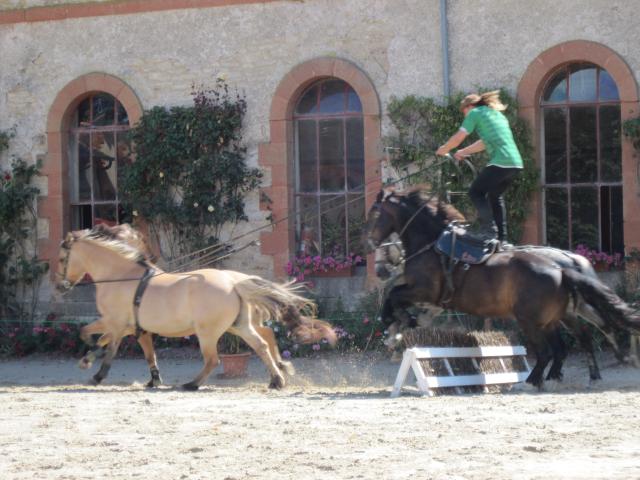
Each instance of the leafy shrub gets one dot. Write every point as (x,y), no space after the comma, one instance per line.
(20,269)
(189,177)
(423,124)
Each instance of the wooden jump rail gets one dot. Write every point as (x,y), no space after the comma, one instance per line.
(412,356)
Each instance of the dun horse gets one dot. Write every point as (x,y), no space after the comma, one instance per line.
(517,284)
(206,302)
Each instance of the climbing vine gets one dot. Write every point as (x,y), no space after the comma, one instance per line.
(20,270)
(423,124)
(190,178)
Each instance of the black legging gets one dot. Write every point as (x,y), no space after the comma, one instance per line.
(486,194)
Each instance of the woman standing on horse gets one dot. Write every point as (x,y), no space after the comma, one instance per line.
(483,114)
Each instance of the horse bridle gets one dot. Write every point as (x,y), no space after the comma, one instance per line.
(377,209)
(65,283)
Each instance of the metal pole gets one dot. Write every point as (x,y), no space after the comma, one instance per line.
(444,43)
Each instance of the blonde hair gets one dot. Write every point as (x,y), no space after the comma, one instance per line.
(487,99)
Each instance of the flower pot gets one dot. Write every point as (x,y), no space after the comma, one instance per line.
(601,267)
(234,365)
(345,272)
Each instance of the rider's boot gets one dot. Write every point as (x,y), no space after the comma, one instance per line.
(486,231)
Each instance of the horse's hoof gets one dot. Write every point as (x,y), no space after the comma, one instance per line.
(287,367)
(191,386)
(154,382)
(555,376)
(95,380)
(84,363)
(277,382)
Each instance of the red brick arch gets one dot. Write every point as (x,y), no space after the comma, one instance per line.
(278,154)
(529,93)
(54,207)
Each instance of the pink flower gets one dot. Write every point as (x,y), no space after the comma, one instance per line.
(315,347)
(286,354)
(365,320)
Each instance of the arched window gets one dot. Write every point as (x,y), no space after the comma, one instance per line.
(329,171)
(99,144)
(582,167)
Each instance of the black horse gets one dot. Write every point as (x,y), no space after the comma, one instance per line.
(518,284)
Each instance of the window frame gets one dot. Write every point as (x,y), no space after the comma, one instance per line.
(324,197)
(75,131)
(567,185)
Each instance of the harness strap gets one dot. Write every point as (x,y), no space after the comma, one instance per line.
(137,298)
(448,266)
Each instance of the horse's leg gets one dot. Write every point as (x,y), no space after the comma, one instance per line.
(111,351)
(146,342)
(582,333)
(543,356)
(209,350)
(269,336)
(244,328)
(559,351)
(634,341)
(92,351)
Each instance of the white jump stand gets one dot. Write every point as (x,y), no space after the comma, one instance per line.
(412,356)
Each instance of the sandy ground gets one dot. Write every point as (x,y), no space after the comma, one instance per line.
(335,420)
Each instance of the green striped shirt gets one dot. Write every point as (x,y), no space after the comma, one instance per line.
(494,131)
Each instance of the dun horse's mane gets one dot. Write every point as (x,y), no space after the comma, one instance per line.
(419,196)
(112,239)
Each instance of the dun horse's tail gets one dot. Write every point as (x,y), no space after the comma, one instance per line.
(611,308)
(283,302)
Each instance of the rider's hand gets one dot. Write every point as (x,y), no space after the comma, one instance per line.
(442,151)
(460,155)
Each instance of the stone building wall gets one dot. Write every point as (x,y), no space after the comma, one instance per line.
(395,43)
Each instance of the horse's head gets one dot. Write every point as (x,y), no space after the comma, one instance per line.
(70,270)
(383,219)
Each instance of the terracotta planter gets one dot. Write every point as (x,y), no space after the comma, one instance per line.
(345,272)
(234,365)
(601,267)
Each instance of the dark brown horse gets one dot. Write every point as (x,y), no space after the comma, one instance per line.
(516,284)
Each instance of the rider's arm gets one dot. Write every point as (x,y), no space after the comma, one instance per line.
(453,142)
(475,147)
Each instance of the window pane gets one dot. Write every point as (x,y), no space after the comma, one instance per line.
(307,156)
(84,113)
(584,217)
(355,154)
(84,169)
(80,217)
(104,166)
(105,214)
(103,109)
(611,235)
(608,87)
(353,101)
(557,218)
(555,145)
(309,102)
(307,215)
(332,96)
(123,116)
(331,156)
(610,144)
(333,225)
(556,90)
(583,144)
(582,83)
(616,224)
(356,212)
